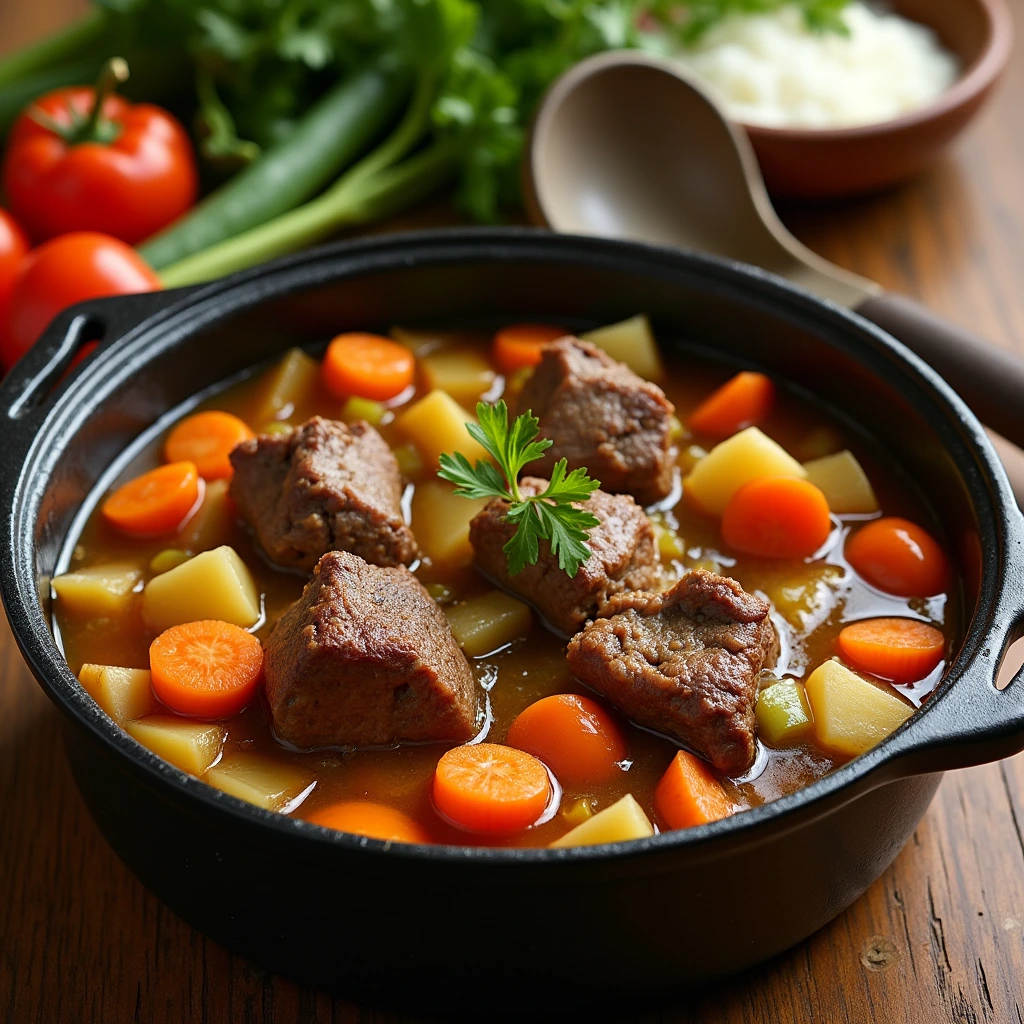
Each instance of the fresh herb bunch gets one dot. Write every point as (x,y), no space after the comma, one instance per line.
(549,516)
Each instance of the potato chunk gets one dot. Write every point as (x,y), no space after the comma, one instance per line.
(464,375)
(440,521)
(98,591)
(842,480)
(437,424)
(288,386)
(631,342)
(214,585)
(211,525)
(123,693)
(748,455)
(483,624)
(188,745)
(851,715)
(258,780)
(783,714)
(623,820)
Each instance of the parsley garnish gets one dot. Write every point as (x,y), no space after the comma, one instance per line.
(549,516)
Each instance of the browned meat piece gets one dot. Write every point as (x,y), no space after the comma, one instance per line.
(685,662)
(622,558)
(601,415)
(366,658)
(323,487)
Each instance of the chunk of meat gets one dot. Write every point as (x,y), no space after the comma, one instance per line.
(325,486)
(684,662)
(622,558)
(366,658)
(601,415)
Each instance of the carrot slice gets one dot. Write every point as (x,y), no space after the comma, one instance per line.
(207,439)
(739,403)
(208,669)
(689,794)
(367,365)
(899,557)
(485,787)
(574,736)
(902,650)
(364,818)
(160,501)
(777,517)
(522,345)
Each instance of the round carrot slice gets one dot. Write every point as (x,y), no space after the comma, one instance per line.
(902,650)
(777,517)
(208,669)
(574,736)
(485,787)
(899,557)
(157,502)
(738,403)
(207,439)
(522,345)
(364,818)
(367,365)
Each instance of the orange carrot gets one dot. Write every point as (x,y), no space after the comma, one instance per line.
(574,736)
(522,345)
(777,517)
(738,403)
(484,787)
(689,794)
(160,501)
(208,669)
(364,818)
(902,650)
(367,365)
(897,556)
(207,438)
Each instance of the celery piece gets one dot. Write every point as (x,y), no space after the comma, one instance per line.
(783,714)
(357,408)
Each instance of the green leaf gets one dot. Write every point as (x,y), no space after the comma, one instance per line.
(567,529)
(523,548)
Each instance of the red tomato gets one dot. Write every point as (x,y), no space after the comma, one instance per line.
(127,173)
(63,271)
(13,247)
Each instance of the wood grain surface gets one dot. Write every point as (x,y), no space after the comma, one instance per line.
(939,938)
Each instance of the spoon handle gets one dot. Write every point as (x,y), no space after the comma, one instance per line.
(989,379)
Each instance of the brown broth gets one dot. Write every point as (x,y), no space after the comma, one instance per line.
(534,666)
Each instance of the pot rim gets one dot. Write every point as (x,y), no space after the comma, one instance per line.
(185,310)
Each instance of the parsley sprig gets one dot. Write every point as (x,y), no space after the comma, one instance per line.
(549,516)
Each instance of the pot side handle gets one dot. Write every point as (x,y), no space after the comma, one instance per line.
(34,382)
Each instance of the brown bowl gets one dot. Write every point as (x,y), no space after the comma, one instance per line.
(818,163)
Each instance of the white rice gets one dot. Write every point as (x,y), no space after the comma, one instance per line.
(770,69)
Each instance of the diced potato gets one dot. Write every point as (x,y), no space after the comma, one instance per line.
(748,455)
(631,342)
(483,624)
(258,780)
(214,585)
(357,408)
(188,745)
(437,424)
(97,591)
(289,385)
(805,599)
(623,820)
(464,375)
(440,521)
(842,480)
(783,714)
(124,693)
(851,715)
(212,524)
(670,544)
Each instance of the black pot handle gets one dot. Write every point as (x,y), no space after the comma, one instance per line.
(974,722)
(34,382)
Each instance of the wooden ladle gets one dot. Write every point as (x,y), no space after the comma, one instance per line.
(630,146)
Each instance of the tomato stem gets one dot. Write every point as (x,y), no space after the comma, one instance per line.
(113,74)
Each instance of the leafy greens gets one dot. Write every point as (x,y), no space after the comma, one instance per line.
(550,515)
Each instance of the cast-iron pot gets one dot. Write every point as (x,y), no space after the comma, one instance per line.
(340,911)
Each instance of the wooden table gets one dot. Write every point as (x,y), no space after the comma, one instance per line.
(939,938)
